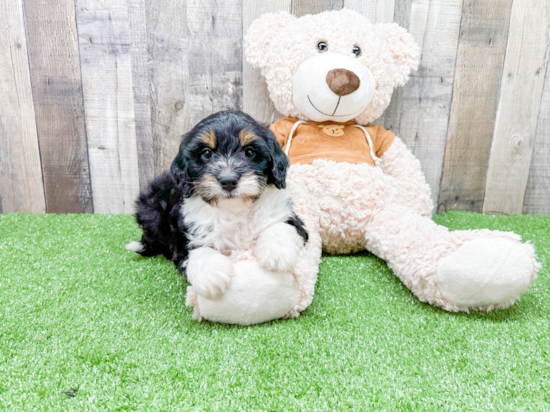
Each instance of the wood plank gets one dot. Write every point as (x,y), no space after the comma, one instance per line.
(419,20)
(21,185)
(518,107)
(215,57)
(256,101)
(537,193)
(142,95)
(168,44)
(412,15)
(480,59)
(377,11)
(404,11)
(419,112)
(196,68)
(106,65)
(366,8)
(57,91)
(385,10)
(303,7)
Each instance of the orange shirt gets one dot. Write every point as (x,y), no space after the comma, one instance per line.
(331,141)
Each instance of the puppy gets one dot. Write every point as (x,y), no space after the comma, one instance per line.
(223,198)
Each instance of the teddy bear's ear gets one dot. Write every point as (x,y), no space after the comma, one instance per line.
(260,34)
(404,49)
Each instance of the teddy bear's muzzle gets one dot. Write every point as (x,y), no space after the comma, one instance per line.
(332,86)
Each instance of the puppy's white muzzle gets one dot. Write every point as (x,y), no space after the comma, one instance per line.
(314,97)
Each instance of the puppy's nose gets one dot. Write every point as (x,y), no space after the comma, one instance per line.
(228,181)
(342,81)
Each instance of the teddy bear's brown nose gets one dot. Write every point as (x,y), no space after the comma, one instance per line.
(342,81)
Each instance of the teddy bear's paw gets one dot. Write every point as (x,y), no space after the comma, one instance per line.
(487,273)
(277,248)
(209,272)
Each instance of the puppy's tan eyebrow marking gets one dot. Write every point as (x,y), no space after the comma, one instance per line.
(209,139)
(246,136)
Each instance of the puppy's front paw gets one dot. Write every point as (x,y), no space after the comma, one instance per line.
(209,272)
(277,248)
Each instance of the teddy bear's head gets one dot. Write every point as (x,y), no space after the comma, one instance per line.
(335,65)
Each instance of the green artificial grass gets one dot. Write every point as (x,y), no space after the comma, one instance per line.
(87,325)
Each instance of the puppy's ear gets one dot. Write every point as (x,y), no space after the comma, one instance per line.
(180,171)
(278,161)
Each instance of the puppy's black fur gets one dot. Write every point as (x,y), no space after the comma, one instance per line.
(158,207)
(158,213)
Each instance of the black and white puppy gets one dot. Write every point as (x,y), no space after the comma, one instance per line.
(225,194)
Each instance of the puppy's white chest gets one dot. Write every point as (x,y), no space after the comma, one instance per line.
(223,230)
(231,227)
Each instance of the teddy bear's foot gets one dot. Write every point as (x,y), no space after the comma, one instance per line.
(487,273)
(192,300)
(255,296)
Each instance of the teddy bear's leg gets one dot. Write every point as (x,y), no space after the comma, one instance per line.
(306,270)
(457,271)
(408,178)
(309,257)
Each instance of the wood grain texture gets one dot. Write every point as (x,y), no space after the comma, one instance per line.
(256,101)
(106,64)
(366,8)
(215,57)
(377,11)
(419,112)
(537,193)
(303,7)
(480,59)
(142,95)
(385,10)
(89,119)
(21,188)
(402,16)
(168,45)
(518,106)
(196,70)
(57,91)
(419,20)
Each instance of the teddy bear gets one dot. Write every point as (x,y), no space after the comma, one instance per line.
(355,185)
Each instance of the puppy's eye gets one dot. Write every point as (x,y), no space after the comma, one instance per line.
(248,152)
(356,50)
(206,154)
(322,46)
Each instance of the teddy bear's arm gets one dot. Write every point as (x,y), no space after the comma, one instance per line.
(398,162)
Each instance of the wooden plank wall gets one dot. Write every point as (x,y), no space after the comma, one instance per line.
(98,92)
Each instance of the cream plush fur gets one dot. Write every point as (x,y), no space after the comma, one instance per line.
(387,208)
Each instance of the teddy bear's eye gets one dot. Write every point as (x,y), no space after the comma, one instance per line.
(356,50)
(322,46)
